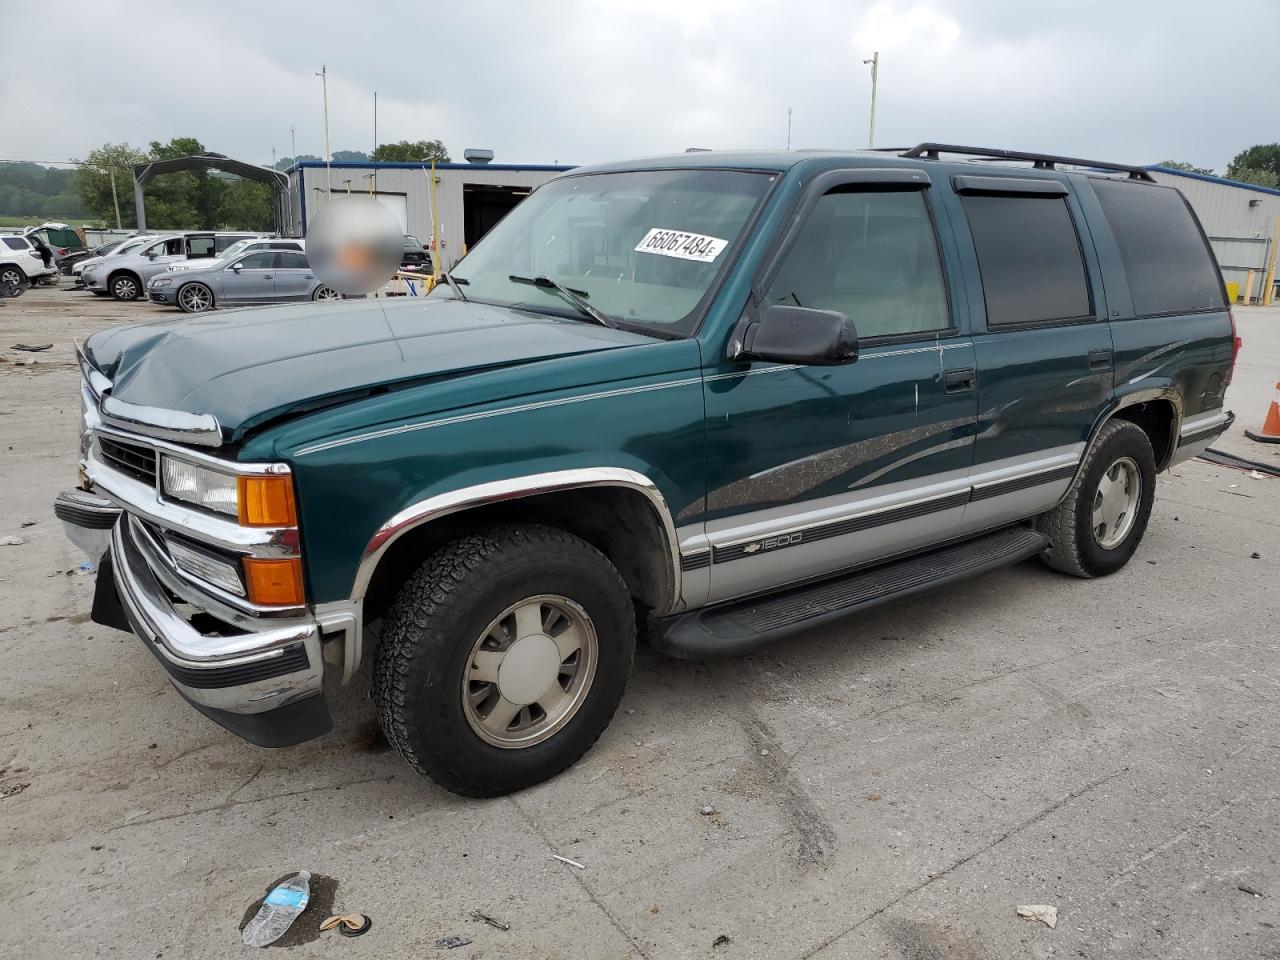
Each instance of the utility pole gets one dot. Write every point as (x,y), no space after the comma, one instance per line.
(114,199)
(293,143)
(374,185)
(273,158)
(788,128)
(328,160)
(875,75)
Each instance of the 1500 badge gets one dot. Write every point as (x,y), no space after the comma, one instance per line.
(774,543)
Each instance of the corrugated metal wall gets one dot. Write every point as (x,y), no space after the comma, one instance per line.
(1240,222)
(413,184)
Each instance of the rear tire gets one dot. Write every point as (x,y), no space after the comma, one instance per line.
(1099,524)
(124,286)
(326,293)
(448,662)
(12,276)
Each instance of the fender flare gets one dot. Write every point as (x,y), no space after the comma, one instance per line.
(1122,403)
(517,488)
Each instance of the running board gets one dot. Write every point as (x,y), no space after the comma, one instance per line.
(742,626)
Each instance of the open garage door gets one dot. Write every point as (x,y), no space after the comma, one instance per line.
(398,204)
(484,205)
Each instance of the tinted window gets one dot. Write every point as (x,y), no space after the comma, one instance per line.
(1169,265)
(873,257)
(221,243)
(16,243)
(292,261)
(1029,256)
(258,261)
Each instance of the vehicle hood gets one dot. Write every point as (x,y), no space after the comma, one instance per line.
(248,367)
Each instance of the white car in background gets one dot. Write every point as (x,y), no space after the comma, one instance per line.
(20,261)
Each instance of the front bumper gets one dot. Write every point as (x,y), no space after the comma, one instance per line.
(259,678)
(163,295)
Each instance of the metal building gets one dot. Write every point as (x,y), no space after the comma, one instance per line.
(1243,224)
(470,197)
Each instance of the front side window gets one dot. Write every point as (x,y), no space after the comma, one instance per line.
(258,261)
(644,247)
(1169,266)
(1029,257)
(872,257)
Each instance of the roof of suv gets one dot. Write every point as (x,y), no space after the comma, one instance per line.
(924,155)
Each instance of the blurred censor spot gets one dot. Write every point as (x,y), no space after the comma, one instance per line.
(354,244)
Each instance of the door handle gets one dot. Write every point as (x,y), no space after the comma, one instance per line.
(958,381)
(1099,359)
(266,276)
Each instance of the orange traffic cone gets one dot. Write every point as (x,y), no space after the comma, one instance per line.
(1271,426)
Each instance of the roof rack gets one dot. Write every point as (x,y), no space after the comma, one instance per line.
(1041,161)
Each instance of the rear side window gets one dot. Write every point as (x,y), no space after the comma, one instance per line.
(291,261)
(1029,256)
(1169,265)
(16,243)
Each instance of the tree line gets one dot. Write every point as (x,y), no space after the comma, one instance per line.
(1258,165)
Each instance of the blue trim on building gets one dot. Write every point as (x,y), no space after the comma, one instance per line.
(302,204)
(347,165)
(1223,181)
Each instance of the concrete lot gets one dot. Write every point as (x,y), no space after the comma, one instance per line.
(891,787)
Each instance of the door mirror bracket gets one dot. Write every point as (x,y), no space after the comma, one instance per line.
(801,335)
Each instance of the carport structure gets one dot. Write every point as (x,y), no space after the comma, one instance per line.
(279,182)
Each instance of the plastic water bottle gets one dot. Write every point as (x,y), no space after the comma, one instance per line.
(279,910)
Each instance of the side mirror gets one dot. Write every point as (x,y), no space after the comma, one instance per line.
(151,254)
(800,335)
(236,267)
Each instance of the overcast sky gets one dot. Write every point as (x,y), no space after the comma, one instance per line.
(577,81)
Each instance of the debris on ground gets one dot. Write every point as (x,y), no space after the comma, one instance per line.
(707,810)
(873,796)
(1256,475)
(28,523)
(278,911)
(86,566)
(13,790)
(720,941)
(572,863)
(491,921)
(349,925)
(452,943)
(1252,891)
(1255,555)
(1046,914)
(29,348)
(13,541)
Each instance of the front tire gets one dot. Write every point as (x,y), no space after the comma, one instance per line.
(326,293)
(195,298)
(504,658)
(124,286)
(1098,526)
(12,276)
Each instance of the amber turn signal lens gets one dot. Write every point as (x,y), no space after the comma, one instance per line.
(275,582)
(267,502)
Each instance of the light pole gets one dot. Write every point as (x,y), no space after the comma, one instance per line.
(375,139)
(328,160)
(788,128)
(875,75)
(293,143)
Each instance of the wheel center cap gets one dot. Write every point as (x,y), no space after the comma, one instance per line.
(531,665)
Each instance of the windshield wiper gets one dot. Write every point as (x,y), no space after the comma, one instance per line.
(454,285)
(576,297)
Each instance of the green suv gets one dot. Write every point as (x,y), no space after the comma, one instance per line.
(712,398)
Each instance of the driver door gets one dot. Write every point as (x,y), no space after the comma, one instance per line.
(159,256)
(251,279)
(816,469)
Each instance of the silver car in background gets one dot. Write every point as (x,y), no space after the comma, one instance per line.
(124,274)
(254,276)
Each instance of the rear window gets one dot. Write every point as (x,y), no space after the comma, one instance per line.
(1029,257)
(1166,258)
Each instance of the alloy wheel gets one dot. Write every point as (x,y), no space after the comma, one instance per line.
(1115,504)
(530,671)
(124,289)
(195,299)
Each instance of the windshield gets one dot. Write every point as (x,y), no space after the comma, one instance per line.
(232,250)
(411,241)
(132,245)
(643,247)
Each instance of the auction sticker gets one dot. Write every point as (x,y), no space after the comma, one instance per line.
(685,246)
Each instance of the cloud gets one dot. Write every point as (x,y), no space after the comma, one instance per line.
(579,81)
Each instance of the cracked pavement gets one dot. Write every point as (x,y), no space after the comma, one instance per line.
(1109,747)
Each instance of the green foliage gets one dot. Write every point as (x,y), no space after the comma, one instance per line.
(1188,167)
(407,151)
(284,163)
(35,193)
(1259,165)
(350,156)
(190,199)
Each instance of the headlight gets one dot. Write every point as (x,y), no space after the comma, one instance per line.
(198,485)
(208,568)
(161,282)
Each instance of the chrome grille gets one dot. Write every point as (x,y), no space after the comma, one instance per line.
(131,458)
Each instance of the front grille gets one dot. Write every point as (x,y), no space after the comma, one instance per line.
(134,459)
